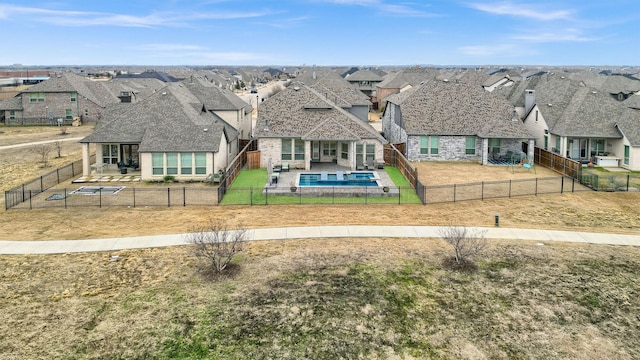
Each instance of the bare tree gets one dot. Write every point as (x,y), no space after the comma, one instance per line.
(43,151)
(216,243)
(58,149)
(467,244)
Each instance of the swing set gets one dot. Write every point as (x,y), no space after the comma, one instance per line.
(521,160)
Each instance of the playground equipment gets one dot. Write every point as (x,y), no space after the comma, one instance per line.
(521,160)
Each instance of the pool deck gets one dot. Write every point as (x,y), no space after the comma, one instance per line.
(286,178)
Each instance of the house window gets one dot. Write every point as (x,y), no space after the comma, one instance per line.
(68,114)
(597,147)
(557,145)
(172,163)
(470,145)
(329,148)
(286,149)
(344,153)
(626,154)
(86,112)
(299,149)
(435,141)
(546,142)
(536,115)
(186,167)
(429,145)
(74,96)
(157,163)
(371,151)
(36,97)
(494,148)
(12,115)
(109,153)
(201,163)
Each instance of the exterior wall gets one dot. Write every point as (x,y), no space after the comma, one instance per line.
(450,148)
(392,125)
(58,103)
(238,120)
(382,93)
(537,128)
(361,112)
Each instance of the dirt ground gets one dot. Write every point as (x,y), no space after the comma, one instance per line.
(581,211)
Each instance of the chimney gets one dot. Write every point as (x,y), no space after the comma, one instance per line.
(529,100)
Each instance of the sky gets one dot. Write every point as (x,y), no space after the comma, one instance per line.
(320,32)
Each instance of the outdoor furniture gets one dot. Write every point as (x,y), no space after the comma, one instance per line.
(277,168)
(359,164)
(285,166)
(379,164)
(274,177)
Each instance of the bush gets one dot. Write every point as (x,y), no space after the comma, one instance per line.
(467,245)
(216,243)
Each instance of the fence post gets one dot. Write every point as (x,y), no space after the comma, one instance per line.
(30,203)
(482,191)
(509,187)
(536,186)
(251,196)
(100,197)
(134,196)
(65,198)
(41,184)
(58,175)
(73,170)
(454,192)
(573,185)
(628,177)
(184,196)
(562,186)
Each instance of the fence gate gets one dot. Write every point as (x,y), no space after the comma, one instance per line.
(253,159)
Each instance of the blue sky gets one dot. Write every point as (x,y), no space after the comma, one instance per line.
(320,32)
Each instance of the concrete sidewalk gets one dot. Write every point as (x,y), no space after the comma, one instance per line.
(113,244)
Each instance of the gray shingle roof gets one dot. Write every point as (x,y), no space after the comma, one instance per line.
(14,103)
(446,108)
(364,75)
(67,82)
(169,120)
(212,96)
(629,124)
(287,114)
(572,109)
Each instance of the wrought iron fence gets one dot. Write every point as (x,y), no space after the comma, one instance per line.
(611,182)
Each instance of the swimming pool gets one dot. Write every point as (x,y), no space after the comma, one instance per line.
(339,178)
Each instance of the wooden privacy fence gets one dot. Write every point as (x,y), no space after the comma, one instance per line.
(235,167)
(393,157)
(557,163)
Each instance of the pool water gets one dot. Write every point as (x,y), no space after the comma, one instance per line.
(364,178)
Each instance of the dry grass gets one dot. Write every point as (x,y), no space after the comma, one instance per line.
(328,298)
(370,298)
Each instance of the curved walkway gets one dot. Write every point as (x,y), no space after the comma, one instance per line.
(113,244)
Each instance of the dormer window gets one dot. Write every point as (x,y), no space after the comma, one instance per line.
(74,96)
(620,97)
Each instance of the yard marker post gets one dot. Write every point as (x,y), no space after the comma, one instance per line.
(65,198)
(454,192)
(562,186)
(30,203)
(168,197)
(58,175)
(41,185)
(184,196)
(100,196)
(573,184)
(536,186)
(628,178)
(482,191)
(134,196)
(509,187)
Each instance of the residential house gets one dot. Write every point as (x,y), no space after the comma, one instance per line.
(336,89)
(223,103)
(583,123)
(171,133)
(365,81)
(68,97)
(447,120)
(302,126)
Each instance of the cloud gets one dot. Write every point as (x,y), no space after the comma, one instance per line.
(489,50)
(522,10)
(384,8)
(90,18)
(569,35)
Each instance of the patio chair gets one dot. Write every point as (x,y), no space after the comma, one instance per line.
(359,164)
(369,163)
(507,156)
(285,166)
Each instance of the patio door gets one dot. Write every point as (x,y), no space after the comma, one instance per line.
(315,151)
(130,154)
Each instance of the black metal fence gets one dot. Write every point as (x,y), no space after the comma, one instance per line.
(611,182)
(24,192)
(109,195)
(500,189)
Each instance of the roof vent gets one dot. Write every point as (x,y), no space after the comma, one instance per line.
(296,88)
(205,129)
(594,92)
(164,93)
(550,104)
(445,80)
